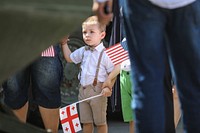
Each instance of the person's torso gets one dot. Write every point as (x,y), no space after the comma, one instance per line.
(89,63)
(171,4)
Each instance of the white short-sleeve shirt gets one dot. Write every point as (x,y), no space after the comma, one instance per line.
(89,61)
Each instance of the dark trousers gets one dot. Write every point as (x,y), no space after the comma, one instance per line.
(146,28)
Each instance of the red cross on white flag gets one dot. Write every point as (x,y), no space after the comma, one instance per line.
(69,119)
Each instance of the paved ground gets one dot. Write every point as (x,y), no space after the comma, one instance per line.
(116,125)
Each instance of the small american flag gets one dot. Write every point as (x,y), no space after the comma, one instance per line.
(117,54)
(49,52)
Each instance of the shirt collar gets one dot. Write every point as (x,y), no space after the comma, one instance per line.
(100,47)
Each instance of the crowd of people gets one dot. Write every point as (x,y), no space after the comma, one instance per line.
(163,44)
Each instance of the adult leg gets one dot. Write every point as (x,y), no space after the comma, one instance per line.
(184,35)
(22,112)
(177,109)
(168,96)
(16,93)
(50,118)
(131,127)
(145,31)
(46,78)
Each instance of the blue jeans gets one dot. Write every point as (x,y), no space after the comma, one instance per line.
(154,34)
(40,81)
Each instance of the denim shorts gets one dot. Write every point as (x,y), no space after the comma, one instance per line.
(39,81)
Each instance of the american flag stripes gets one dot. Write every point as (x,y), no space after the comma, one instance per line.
(49,52)
(117,54)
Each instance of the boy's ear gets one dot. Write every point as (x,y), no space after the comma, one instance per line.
(103,34)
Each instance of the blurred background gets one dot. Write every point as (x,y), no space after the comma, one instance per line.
(27,27)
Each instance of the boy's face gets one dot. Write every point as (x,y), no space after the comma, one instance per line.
(92,34)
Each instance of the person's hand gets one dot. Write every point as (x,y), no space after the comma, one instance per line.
(64,40)
(103,11)
(106,92)
(107,83)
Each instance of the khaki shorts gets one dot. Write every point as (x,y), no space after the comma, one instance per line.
(94,110)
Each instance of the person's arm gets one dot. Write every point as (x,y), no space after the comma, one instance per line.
(115,72)
(65,49)
(103,10)
(112,77)
(108,84)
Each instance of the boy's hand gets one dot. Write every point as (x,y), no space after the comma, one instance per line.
(106,92)
(107,83)
(64,40)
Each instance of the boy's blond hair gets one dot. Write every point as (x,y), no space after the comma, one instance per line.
(94,20)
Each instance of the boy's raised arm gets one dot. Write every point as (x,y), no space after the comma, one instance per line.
(65,49)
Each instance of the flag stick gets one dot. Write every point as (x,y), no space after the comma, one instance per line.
(88,98)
